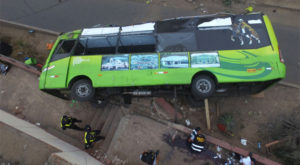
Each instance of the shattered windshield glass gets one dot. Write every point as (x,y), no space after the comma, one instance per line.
(212,33)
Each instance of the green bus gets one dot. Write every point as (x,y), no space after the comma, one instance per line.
(202,55)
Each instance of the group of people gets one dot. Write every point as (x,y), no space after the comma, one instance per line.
(196,141)
(90,136)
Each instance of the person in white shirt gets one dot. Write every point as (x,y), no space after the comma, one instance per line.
(247,160)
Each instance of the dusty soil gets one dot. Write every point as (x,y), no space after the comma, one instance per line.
(137,134)
(20,95)
(251,115)
(17,148)
(25,43)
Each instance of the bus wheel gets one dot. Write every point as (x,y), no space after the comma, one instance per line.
(203,86)
(82,90)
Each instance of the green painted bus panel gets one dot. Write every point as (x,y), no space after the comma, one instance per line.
(57,72)
(248,65)
(235,66)
(271,32)
(173,76)
(84,66)
(43,76)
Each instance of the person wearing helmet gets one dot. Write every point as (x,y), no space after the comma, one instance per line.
(197,141)
(91,136)
(69,122)
(150,157)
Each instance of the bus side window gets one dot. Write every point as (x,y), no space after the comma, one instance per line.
(137,43)
(66,47)
(63,50)
(101,45)
(80,47)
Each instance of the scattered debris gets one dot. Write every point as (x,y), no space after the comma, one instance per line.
(148,2)
(244,142)
(187,122)
(38,124)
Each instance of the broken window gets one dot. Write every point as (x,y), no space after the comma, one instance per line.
(66,47)
(63,50)
(137,43)
(101,45)
(177,42)
(80,47)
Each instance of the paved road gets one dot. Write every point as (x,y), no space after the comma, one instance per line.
(289,43)
(67,15)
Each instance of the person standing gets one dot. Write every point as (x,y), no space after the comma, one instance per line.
(69,122)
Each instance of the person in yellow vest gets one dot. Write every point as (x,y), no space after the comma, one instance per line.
(150,157)
(91,136)
(69,122)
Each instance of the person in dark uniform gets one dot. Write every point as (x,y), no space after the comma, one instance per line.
(69,122)
(197,141)
(150,157)
(91,136)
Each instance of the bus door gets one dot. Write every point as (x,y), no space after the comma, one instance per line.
(57,69)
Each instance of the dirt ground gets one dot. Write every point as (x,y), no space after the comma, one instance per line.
(251,115)
(19,148)
(137,134)
(26,43)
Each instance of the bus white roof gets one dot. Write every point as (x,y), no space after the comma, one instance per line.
(114,30)
(100,31)
(216,22)
(138,28)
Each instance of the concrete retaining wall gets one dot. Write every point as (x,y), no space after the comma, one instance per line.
(68,153)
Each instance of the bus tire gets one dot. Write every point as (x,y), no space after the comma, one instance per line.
(203,86)
(82,90)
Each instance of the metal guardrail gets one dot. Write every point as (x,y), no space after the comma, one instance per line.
(20,64)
